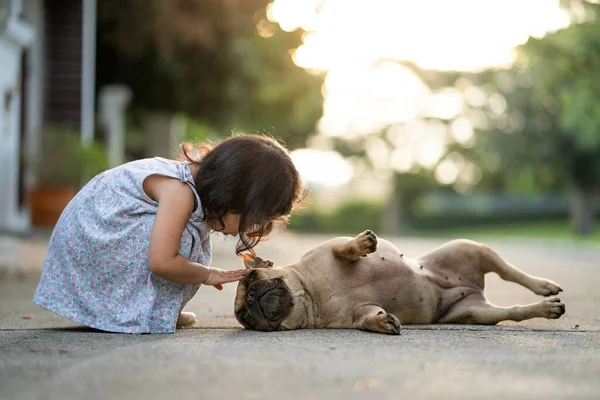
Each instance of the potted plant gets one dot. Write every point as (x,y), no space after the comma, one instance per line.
(61,168)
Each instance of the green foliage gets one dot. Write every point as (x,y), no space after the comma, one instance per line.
(572,81)
(522,149)
(547,138)
(206,59)
(409,189)
(348,219)
(64,161)
(565,71)
(196,131)
(269,93)
(552,228)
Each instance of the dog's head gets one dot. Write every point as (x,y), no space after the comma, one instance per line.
(265,298)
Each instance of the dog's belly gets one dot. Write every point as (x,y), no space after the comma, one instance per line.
(414,296)
(383,278)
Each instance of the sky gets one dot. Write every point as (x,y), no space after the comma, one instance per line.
(350,41)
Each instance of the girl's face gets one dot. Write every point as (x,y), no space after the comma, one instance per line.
(232,224)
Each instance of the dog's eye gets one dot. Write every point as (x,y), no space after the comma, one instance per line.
(251,276)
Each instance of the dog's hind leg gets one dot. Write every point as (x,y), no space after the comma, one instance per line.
(492,262)
(476,310)
(365,243)
(376,319)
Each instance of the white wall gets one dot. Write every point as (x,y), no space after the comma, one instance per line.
(11,217)
(9,133)
(34,14)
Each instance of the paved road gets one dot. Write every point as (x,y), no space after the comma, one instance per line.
(47,357)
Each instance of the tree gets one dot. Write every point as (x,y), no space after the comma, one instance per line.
(540,119)
(565,71)
(220,62)
(409,186)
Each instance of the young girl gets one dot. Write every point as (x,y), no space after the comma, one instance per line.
(133,246)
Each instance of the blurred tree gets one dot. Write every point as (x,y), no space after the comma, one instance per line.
(581,10)
(409,187)
(268,92)
(516,140)
(565,74)
(219,62)
(399,213)
(538,123)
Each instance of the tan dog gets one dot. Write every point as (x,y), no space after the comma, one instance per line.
(356,283)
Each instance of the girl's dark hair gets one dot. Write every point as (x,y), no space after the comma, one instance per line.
(250,175)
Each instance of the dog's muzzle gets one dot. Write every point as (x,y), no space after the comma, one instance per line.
(267,302)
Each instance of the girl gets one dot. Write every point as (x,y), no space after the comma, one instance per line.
(133,246)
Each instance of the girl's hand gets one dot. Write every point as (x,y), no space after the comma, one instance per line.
(216,277)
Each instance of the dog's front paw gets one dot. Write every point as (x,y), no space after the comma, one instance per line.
(366,243)
(387,323)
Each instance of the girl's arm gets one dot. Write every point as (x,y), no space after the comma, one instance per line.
(175,204)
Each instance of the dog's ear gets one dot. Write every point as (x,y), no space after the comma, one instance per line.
(257,262)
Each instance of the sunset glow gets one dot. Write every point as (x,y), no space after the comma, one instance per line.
(351,40)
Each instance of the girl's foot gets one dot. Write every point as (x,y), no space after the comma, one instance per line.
(186,319)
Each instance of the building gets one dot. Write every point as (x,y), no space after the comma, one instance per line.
(47,76)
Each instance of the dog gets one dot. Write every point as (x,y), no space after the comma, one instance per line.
(365,283)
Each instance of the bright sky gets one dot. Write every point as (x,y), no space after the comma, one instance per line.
(347,38)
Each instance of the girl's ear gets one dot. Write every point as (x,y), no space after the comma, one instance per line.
(257,262)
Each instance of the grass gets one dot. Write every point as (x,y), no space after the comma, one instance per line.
(540,230)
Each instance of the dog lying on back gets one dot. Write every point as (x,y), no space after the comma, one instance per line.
(365,283)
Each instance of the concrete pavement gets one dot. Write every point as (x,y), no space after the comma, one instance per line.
(47,357)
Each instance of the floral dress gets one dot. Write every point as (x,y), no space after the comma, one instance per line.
(96,271)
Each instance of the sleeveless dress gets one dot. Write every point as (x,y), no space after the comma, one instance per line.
(96,270)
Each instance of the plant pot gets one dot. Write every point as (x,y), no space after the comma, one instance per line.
(46,203)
